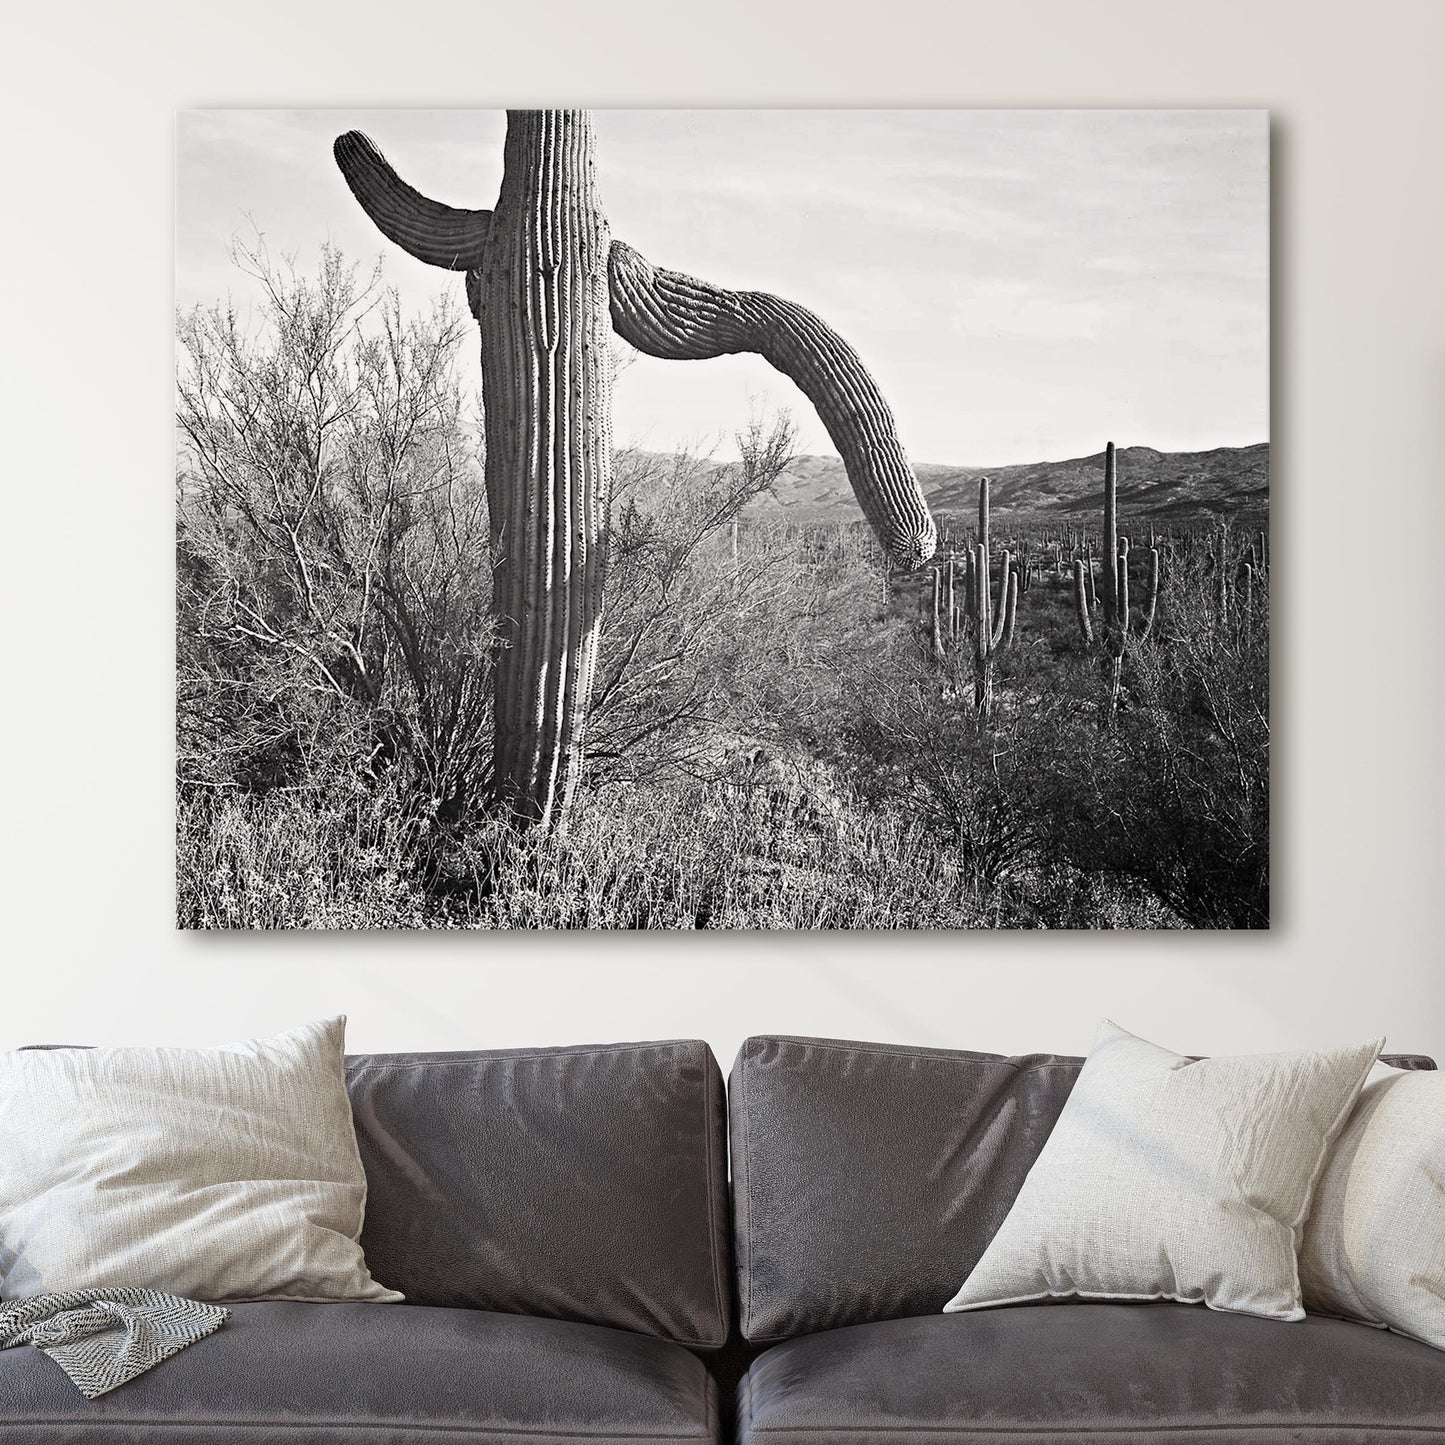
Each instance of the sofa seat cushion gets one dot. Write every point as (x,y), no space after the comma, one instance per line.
(1102,1373)
(322,1374)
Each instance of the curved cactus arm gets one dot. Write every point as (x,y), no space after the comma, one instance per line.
(439,235)
(680,318)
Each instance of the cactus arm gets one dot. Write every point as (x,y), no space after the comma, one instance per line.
(937,598)
(983,634)
(1121,592)
(1006,584)
(679,318)
(983,599)
(439,235)
(1081,603)
(1011,609)
(1151,597)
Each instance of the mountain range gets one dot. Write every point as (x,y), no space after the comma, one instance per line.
(1162,487)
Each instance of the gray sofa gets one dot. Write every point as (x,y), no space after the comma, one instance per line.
(559,1220)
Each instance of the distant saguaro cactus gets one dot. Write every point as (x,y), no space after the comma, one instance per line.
(544,278)
(1025,567)
(937,626)
(1236,574)
(1114,634)
(993,624)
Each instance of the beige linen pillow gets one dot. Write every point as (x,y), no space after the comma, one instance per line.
(222,1174)
(1171,1178)
(1374,1243)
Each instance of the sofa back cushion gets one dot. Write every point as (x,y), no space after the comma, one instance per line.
(573,1183)
(869,1178)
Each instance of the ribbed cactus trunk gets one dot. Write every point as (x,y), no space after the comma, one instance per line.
(546,386)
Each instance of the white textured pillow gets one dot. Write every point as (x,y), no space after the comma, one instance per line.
(1374,1244)
(1167,1178)
(222,1174)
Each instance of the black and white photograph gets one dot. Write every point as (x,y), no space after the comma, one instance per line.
(723,519)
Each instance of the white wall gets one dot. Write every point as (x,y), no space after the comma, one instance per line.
(1359,517)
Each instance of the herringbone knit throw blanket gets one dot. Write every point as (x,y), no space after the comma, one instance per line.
(103,1337)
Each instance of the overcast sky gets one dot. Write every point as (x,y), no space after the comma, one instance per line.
(1025,285)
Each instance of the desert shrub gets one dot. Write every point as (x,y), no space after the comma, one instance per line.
(333,561)
(720,631)
(964,779)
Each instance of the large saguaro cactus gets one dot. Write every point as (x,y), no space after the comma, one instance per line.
(544,279)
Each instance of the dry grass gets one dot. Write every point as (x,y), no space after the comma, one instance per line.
(697,856)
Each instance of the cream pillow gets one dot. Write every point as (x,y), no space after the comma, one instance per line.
(1374,1244)
(222,1174)
(1171,1178)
